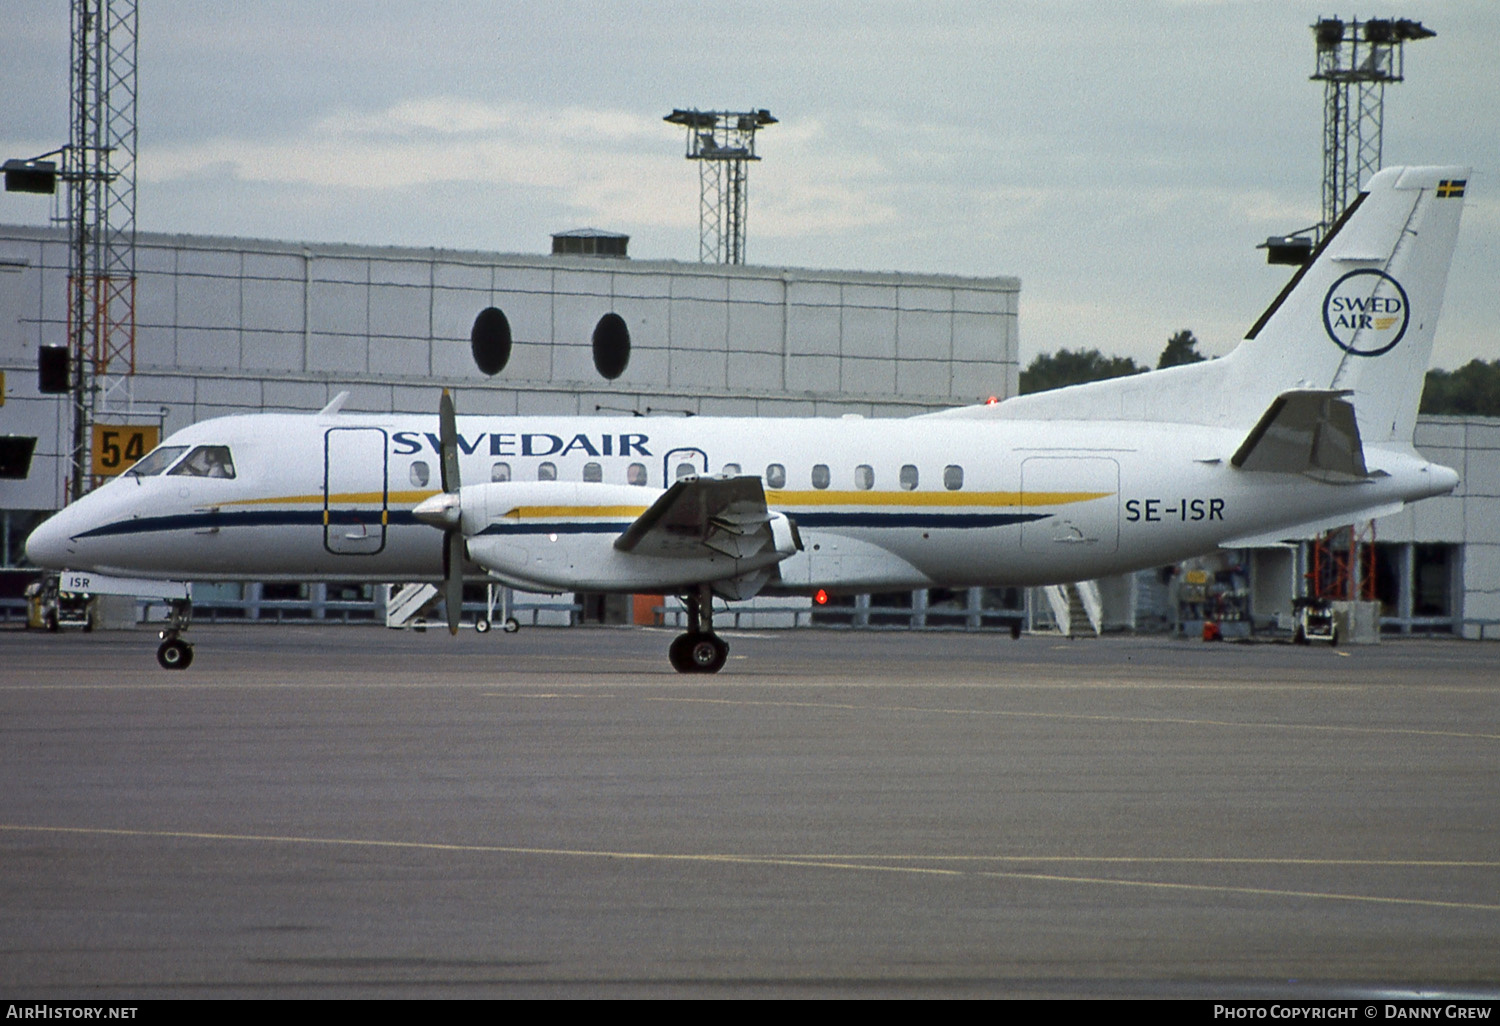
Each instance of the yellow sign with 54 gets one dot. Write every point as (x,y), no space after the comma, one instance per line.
(118,446)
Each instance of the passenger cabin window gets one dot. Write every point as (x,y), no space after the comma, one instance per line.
(206,461)
(908,478)
(685,470)
(953,477)
(420,473)
(593,472)
(500,472)
(776,476)
(157,460)
(732,469)
(864,477)
(820,477)
(635,474)
(546,471)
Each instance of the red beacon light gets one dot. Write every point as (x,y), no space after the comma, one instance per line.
(820,597)
(991,401)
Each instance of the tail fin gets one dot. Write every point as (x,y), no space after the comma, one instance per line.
(1361,315)
(1357,320)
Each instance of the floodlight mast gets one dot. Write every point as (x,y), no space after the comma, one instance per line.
(98,166)
(1355,61)
(722,142)
(100,159)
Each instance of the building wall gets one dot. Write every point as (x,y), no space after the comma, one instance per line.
(236,325)
(1468,519)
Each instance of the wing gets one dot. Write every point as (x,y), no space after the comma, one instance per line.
(699,516)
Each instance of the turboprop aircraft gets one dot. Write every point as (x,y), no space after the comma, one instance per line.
(1307,424)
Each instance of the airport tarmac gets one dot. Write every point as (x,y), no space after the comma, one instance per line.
(355,812)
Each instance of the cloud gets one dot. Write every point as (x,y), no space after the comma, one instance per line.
(439,138)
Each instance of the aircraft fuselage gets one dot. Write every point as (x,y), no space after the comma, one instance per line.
(878,503)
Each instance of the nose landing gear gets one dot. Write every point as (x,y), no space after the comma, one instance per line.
(173,653)
(700,650)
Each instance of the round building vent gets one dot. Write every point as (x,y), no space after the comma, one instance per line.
(490,339)
(611,345)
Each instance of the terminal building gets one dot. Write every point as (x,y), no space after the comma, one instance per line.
(227,325)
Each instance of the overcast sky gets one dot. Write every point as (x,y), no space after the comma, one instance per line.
(1122,159)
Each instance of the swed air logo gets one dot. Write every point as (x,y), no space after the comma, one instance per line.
(1366,312)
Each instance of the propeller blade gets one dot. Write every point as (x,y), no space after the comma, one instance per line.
(448,443)
(446,511)
(453,577)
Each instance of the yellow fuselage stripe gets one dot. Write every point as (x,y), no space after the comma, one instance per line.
(789,500)
(338,498)
(909,499)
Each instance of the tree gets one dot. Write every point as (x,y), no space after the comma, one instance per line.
(1067,367)
(1181,348)
(1473,389)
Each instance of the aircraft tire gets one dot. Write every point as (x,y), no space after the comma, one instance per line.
(481,626)
(511,625)
(677,655)
(174,654)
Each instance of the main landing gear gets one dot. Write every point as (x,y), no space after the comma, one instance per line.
(174,653)
(700,650)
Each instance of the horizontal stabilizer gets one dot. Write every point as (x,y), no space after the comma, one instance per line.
(721,514)
(1306,431)
(1301,532)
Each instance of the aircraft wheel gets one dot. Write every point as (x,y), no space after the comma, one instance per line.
(707,653)
(175,654)
(1015,630)
(481,626)
(1299,637)
(511,625)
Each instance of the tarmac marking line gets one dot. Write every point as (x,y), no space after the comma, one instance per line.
(1016,714)
(857,863)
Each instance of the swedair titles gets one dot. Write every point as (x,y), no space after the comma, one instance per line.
(1413,1011)
(511,443)
(1359,313)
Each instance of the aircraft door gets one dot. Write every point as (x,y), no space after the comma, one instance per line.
(1082,494)
(356,491)
(679,463)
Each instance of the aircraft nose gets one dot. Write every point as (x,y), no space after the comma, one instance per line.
(49,545)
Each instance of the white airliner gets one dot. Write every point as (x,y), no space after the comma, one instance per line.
(1307,424)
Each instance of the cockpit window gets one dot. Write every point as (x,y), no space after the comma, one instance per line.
(157,460)
(206,461)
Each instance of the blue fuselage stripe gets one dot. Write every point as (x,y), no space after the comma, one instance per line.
(949,520)
(247,518)
(314,518)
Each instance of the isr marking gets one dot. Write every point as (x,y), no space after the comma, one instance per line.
(1153,511)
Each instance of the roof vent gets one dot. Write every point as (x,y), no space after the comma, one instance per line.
(589,242)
